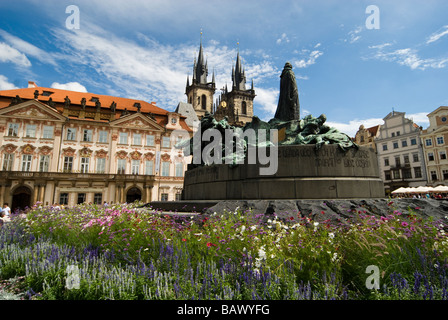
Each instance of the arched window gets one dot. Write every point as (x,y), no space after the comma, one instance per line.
(244,108)
(204,102)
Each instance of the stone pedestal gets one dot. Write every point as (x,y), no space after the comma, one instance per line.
(303,173)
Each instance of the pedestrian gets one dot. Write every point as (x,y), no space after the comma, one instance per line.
(6,212)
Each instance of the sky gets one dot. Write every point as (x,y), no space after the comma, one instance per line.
(353,62)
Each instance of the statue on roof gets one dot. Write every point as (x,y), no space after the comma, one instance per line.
(83,103)
(36,94)
(138,106)
(51,102)
(98,105)
(113,106)
(67,102)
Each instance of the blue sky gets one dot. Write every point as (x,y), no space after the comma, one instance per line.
(145,50)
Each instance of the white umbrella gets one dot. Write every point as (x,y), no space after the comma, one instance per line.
(440,189)
(400,190)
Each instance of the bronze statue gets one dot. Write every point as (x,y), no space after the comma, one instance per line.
(36,94)
(288,107)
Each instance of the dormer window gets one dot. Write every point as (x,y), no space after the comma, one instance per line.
(94,99)
(173,120)
(47,93)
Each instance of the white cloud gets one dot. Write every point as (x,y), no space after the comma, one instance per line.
(437,35)
(5,84)
(267,99)
(283,38)
(310,60)
(28,48)
(420,118)
(354,35)
(71,86)
(9,54)
(352,126)
(408,57)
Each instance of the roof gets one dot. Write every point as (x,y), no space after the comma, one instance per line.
(187,110)
(373,130)
(437,110)
(58,96)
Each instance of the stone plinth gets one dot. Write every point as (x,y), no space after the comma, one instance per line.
(303,173)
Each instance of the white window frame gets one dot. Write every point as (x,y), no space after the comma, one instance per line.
(150,140)
(71,134)
(135,166)
(123,138)
(85,163)
(30,131)
(137,139)
(103,136)
(8,161)
(44,163)
(47,132)
(100,165)
(26,162)
(13,130)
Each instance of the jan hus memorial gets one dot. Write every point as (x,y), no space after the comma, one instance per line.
(312,160)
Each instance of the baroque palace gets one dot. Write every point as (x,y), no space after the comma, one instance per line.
(67,147)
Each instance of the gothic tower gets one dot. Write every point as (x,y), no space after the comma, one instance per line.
(240,100)
(200,92)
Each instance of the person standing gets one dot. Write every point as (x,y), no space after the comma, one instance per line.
(6,212)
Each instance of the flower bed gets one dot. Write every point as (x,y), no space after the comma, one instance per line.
(121,253)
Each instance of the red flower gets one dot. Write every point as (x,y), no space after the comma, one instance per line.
(291,218)
(184,239)
(209,244)
(323,212)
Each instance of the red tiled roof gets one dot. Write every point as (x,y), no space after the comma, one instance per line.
(373,130)
(58,96)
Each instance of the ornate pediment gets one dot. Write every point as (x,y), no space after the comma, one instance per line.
(9,148)
(137,121)
(45,150)
(85,152)
(136,155)
(122,154)
(149,156)
(69,152)
(165,157)
(101,153)
(28,149)
(31,112)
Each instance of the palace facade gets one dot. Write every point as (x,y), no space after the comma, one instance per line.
(66,147)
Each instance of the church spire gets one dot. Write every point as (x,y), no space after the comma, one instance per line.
(238,74)
(201,69)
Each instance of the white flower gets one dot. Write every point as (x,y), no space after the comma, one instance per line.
(253,228)
(316,224)
(331,235)
(243,228)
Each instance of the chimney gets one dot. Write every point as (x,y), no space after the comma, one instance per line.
(32,84)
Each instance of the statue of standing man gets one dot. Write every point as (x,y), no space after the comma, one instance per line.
(288,107)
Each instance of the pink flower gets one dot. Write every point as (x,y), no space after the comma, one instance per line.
(404,224)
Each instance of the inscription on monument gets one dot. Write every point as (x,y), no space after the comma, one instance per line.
(328,157)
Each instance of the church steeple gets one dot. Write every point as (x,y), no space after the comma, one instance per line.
(200,67)
(238,74)
(199,91)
